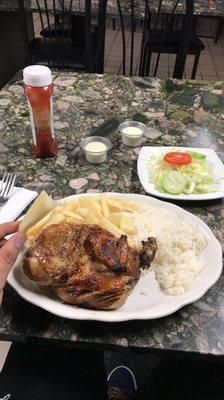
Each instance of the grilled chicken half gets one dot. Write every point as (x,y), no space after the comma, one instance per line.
(86,265)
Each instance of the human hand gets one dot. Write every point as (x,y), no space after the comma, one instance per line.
(9,249)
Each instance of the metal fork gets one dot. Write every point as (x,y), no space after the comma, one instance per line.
(6,186)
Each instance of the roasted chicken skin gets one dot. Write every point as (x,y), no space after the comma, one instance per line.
(84,265)
(148,252)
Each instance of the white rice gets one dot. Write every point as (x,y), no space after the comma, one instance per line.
(180,244)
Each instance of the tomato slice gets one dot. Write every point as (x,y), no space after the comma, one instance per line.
(177,158)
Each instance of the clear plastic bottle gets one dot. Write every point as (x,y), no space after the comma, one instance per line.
(38,88)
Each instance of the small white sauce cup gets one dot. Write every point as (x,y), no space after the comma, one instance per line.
(94,156)
(132,138)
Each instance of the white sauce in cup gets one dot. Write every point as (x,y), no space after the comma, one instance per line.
(132,136)
(96,152)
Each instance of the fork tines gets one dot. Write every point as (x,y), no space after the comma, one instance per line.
(6,186)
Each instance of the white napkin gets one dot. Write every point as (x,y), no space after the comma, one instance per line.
(19,200)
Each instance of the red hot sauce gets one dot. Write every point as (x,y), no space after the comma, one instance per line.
(38,88)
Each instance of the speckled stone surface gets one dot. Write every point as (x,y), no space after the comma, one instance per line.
(186,113)
(202,7)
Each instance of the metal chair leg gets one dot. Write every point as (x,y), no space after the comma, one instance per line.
(24,30)
(195,21)
(195,66)
(157,65)
(219,29)
(142,61)
(148,62)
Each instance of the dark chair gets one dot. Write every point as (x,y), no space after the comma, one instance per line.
(171,39)
(68,41)
(161,33)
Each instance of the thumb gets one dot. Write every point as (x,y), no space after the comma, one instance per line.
(9,253)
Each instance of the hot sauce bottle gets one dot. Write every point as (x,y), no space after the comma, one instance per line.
(38,88)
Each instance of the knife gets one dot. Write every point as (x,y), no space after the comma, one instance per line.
(107,127)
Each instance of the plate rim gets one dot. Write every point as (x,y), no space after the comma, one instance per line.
(109,316)
(168,196)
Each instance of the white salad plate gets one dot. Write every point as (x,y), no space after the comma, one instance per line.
(212,160)
(147,300)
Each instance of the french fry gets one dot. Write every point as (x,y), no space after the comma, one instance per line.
(82,211)
(121,205)
(115,218)
(33,231)
(129,206)
(73,215)
(70,205)
(96,208)
(92,205)
(84,202)
(39,209)
(114,204)
(56,218)
(91,218)
(73,220)
(57,210)
(104,223)
(105,209)
(127,225)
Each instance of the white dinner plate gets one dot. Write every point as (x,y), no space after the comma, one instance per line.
(147,300)
(212,160)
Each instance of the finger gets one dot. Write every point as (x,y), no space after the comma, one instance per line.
(8,255)
(8,227)
(2,242)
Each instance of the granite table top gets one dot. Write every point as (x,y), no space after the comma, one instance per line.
(186,113)
(202,7)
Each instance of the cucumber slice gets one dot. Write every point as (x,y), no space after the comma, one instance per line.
(190,186)
(174,182)
(196,155)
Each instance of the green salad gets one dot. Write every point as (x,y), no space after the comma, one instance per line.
(178,172)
